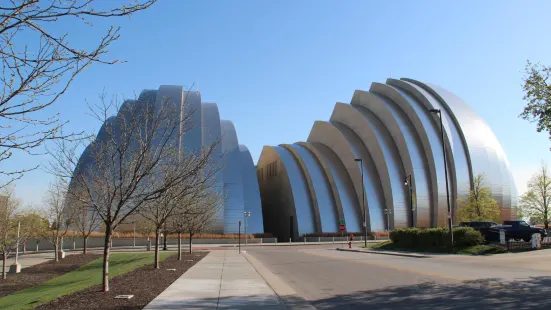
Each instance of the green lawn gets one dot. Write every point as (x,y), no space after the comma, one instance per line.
(482,249)
(77,280)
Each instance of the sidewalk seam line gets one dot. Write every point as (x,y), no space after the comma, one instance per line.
(221,276)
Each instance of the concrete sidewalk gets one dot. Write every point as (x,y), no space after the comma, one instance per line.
(28,260)
(221,280)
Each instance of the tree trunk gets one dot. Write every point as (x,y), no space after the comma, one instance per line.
(85,241)
(106,252)
(165,248)
(179,246)
(4,258)
(190,237)
(56,251)
(157,231)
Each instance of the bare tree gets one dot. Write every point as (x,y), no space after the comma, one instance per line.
(85,218)
(168,204)
(38,64)
(535,203)
(144,227)
(9,240)
(196,213)
(58,213)
(126,160)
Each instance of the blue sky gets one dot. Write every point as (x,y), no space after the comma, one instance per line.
(275,67)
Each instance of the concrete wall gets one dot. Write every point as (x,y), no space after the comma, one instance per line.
(95,242)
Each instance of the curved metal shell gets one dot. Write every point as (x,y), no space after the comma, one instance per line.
(233,179)
(212,134)
(191,122)
(198,126)
(286,204)
(392,130)
(409,147)
(311,189)
(349,173)
(484,154)
(412,104)
(379,187)
(329,201)
(251,193)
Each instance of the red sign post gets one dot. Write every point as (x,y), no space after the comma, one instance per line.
(342,228)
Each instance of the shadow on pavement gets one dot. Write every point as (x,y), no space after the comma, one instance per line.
(532,293)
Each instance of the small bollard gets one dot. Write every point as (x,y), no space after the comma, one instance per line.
(333,239)
(37,246)
(289,240)
(260,240)
(536,241)
(319,239)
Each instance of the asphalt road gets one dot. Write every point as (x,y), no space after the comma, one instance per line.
(330,279)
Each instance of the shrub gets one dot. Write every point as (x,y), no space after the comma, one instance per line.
(426,238)
(466,236)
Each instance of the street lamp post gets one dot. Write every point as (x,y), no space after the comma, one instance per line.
(388,212)
(16,267)
(408,183)
(450,223)
(134,233)
(247,214)
(363,200)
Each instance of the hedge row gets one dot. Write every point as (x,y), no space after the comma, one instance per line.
(435,237)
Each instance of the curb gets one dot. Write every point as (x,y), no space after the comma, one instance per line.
(295,243)
(286,294)
(386,253)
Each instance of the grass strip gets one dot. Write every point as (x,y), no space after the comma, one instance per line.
(77,280)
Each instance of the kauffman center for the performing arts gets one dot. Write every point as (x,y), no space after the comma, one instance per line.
(380,157)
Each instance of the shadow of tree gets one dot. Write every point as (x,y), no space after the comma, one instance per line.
(531,293)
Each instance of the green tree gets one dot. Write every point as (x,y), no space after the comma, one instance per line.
(537,92)
(9,205)
(479,206)
(33,225)
(535,202)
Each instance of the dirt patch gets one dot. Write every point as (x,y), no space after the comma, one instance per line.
(144,283)
(37,274)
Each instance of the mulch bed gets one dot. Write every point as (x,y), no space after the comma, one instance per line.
(144,283)
(37,274)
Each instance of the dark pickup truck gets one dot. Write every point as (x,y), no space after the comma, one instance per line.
(520,230)
(517,230)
